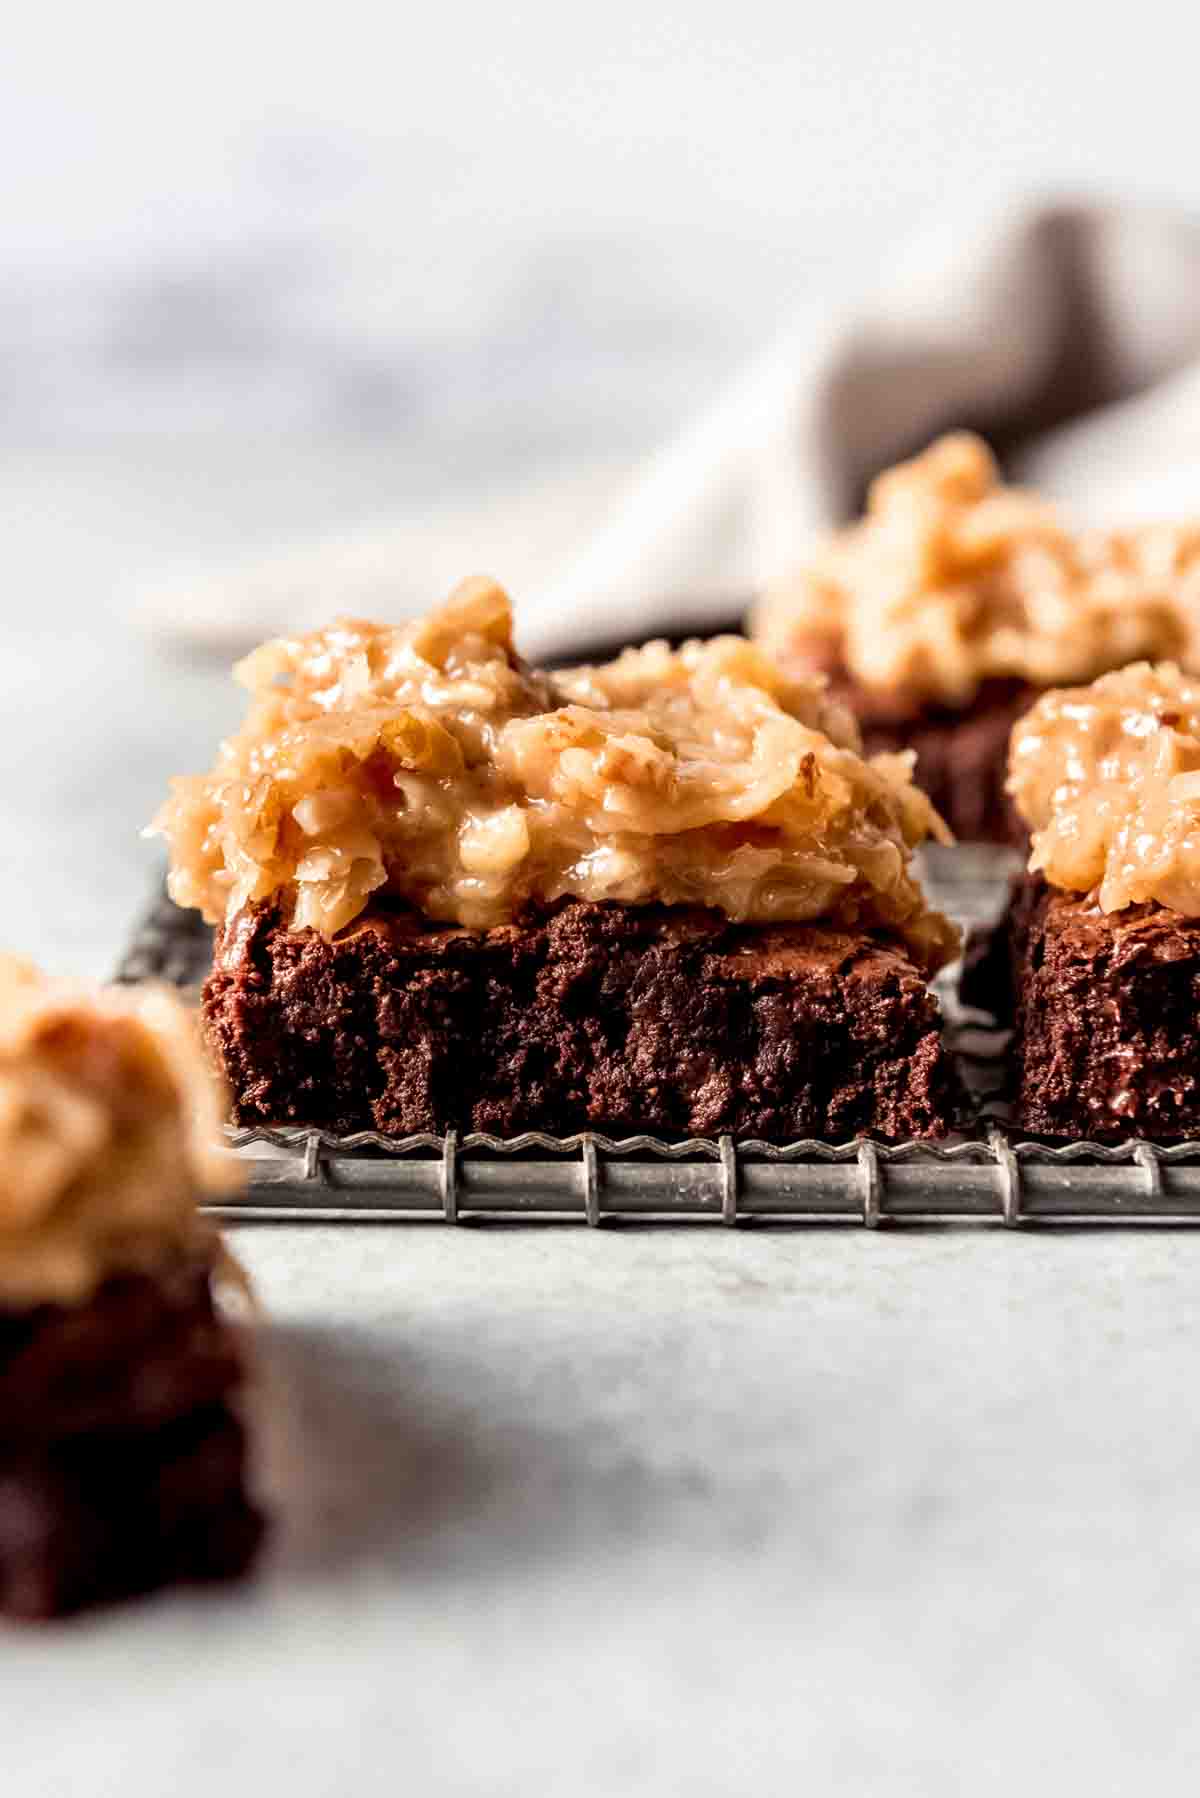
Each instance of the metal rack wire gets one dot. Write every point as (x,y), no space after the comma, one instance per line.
(592,1179)
(990,1175)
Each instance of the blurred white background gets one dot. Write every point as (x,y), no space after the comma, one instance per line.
(272,271)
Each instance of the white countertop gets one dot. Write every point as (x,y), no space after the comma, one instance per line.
(664,1510)
(629,1511)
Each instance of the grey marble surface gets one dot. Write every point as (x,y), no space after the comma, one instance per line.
(676,1510)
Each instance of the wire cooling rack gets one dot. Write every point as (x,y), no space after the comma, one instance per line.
(989,1173)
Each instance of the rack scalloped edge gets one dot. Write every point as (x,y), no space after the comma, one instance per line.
(982,1152)
(314,1174)
(994,1175)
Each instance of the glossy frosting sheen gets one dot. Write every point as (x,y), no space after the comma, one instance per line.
(1108,779)
(429,764)
(952,579)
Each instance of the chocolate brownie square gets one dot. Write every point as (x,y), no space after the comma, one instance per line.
(585,1016)
(1106,1014)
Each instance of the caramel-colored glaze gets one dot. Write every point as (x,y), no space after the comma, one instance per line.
(429,764)
(952,579)
(1108,779)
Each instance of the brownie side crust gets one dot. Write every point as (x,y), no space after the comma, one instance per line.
(591,1016)
(122,1458)
(1106,1014)
(962,757)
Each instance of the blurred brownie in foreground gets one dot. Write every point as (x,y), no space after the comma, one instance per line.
(121,1451)
(1098,961)
(943,613)
(666,894)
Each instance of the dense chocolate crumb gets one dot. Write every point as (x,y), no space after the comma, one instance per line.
(1106,1014)
(600,1016)
(121,1456)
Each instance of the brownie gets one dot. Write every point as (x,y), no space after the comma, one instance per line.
(1105,1009)
(962,756)
(588,1016)
(122,1457)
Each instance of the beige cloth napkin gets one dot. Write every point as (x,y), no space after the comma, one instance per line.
(1069,334)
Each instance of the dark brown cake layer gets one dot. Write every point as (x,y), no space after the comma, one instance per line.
(962,757)
(1106,1014)
(122,1459)
(593,1016)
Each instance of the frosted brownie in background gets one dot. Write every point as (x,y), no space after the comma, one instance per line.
(122,1453)
(1098,962)
(667,893)
(942,614)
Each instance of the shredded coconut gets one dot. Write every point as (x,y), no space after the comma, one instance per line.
(1108,778)
(952,579)
(108,1125)
(427,763)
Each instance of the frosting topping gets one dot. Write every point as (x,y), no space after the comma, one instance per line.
(427,763)
(952,579)
(109,1118)
(1108,778)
